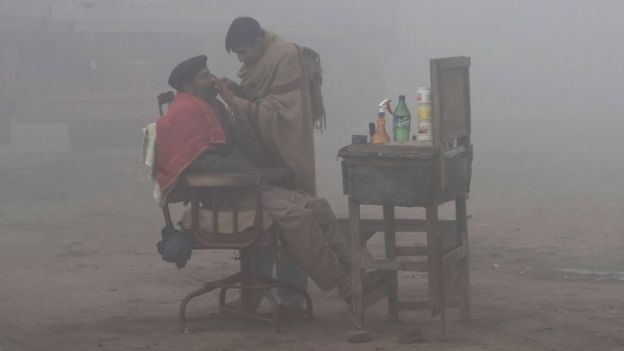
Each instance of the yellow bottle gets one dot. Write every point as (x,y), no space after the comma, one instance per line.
(381,136)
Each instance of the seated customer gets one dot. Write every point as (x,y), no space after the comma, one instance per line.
(193,135)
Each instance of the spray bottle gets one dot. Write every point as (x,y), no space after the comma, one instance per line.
(381,136)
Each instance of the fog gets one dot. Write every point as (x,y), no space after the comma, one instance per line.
(544,82)
(544,75)
(79,80)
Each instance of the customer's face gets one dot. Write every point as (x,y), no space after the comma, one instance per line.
(203,84)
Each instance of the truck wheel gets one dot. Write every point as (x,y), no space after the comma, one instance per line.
(6,125)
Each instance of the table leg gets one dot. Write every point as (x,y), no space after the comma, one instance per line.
(463,266)
(390,243)
(435,258)
(356,264)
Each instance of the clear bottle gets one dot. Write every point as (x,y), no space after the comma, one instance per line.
(402,121)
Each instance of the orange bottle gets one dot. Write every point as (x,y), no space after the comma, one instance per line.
(381,136)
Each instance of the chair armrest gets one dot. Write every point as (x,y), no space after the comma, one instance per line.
(206,180)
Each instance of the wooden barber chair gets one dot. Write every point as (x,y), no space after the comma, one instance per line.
(221,194)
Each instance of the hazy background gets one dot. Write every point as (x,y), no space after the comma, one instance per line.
(78,224)
(545,76)
(545,82)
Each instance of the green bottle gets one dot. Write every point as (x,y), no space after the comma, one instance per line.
(402,121)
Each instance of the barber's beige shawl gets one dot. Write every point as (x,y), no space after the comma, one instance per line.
(282,101)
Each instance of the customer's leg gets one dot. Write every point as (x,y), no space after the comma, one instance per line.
(261,260)
(290,272)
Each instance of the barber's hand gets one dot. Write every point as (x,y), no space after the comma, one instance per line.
(230,83)
(224,91)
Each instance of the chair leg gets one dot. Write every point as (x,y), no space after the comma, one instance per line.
(208,287)
(252,281)
(182,312)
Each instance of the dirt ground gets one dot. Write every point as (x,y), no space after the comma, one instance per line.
(79,268)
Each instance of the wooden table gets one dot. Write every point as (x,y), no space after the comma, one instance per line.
(417,174)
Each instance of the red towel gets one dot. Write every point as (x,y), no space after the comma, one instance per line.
(189,128)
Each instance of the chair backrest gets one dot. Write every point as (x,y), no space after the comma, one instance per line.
(163,99)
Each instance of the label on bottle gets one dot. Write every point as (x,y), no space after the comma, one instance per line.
(403,124)
(424,130)
(424,111)
(402,121)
